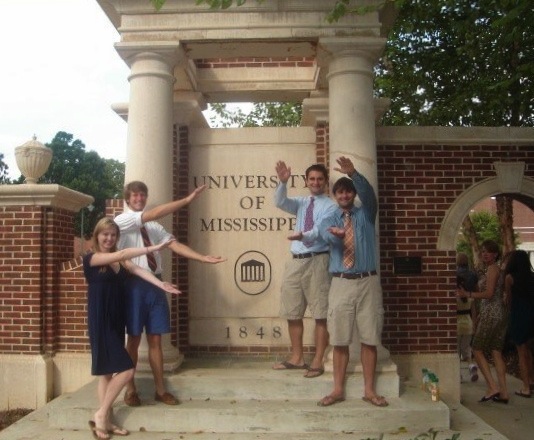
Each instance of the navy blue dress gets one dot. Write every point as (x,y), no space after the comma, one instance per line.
(521,328)
(106,318)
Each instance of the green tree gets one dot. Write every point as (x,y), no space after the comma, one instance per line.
(477,227)
(480,226)
(4,170)
(86,172)
(269,114)
(460,63)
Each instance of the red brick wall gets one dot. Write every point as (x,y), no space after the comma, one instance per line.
(34,240)
(180,304)
(258,62)
(72,308)
(417,185)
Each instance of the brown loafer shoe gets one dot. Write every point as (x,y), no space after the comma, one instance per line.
(166,398)
(132,399)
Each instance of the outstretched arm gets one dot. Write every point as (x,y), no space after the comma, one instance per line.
(149,276)
(105,258)
(187,252)
(170,207)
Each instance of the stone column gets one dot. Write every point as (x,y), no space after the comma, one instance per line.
(149,144)
(352,119)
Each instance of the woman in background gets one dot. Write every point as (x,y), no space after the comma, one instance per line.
(105,270)
(519,294)
(491,324)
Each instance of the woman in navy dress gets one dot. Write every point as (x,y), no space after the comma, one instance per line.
(519,290)
(105,270)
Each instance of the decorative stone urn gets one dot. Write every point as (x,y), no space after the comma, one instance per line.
(33,159)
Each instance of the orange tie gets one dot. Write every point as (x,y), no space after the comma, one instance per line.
(150,257)
(348,241)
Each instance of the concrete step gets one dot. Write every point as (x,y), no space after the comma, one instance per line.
(232,416)
(252,398)
(257,380)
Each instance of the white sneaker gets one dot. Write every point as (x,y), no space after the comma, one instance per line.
(473,370)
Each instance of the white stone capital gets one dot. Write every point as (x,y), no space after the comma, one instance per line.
(364,48)
(43,195)
(188,107)
(171,53)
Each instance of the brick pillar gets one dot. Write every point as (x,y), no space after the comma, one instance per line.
(36,236)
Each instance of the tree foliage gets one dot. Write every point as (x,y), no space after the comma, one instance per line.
(86,172)
(4,170)
(460,63)
(270,114)
(485,226)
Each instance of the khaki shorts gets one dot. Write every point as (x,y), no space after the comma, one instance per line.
(355,306)
(306,284)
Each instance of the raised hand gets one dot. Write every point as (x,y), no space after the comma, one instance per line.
(345,166)
(195,193)
(283,171)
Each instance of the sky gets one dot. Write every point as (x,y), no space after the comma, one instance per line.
(60,72)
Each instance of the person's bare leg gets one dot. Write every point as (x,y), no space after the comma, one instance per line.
(295,328)
(110,386)
(369,357)
(523,367)
(132,347)
(500,367)
(321,342)
(530,364)
(340,363)
(484,368)
(155,358)
(103,382)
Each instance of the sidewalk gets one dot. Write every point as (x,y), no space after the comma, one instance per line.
(514,420)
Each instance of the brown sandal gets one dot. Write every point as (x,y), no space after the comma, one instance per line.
(132,399)
(166,398)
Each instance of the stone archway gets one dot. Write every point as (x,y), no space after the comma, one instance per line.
(507,181)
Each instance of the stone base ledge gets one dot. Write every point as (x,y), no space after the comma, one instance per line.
(71,372)
(25,381)
(445,365)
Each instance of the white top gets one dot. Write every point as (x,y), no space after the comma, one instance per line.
(130,224)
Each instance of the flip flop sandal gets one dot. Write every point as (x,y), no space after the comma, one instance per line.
(314,372)
(330,400)
(376,401)
(289,366)
(96,431)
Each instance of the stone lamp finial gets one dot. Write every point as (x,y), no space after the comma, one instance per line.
(33,159)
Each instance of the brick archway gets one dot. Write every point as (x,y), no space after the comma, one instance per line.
(454,217)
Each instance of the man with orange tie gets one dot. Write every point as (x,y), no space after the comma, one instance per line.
(146,306)
(306,280)
(355,297)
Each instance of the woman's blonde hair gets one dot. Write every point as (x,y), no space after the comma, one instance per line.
(105,223)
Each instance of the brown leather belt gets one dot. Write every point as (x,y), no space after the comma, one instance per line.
(309,254)
(353,276)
